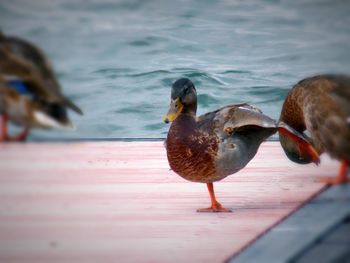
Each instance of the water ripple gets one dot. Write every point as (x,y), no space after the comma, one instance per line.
(118,59)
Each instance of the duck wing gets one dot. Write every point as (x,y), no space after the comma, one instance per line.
(14,68)
(327,111)
(230,119)
(341,94)
(239,130)
(42,80)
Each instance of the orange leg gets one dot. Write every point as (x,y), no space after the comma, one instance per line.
(22,136)
(4,136)
(341,178)
(215,205)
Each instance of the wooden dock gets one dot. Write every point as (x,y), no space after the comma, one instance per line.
(318,232)
(119,202)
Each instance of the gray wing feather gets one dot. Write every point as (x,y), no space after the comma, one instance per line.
(234,117)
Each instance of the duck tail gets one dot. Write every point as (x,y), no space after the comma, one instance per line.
(72,106)
(47,121)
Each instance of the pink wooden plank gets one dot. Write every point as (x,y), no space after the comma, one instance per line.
(118,202)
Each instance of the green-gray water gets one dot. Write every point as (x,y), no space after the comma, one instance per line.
(118,59)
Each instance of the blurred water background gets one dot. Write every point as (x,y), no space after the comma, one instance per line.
(118,59)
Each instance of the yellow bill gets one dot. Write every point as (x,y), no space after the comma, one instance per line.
(175,109)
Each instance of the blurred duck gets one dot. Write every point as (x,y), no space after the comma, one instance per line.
(30,95)
(320,105)
(210,147)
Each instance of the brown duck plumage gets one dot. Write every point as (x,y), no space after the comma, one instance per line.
(32,58)
(320,105)
(217,144)
(209,148)
(30,95)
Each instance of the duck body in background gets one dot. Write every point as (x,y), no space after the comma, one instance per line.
(30,95)
(210,147)
(321,106)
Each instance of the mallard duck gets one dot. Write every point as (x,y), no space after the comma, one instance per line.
(210,147)
(320,105)
(30,95)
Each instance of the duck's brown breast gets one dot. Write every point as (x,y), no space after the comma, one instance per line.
(191,153)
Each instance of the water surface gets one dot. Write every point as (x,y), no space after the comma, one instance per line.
(118,59)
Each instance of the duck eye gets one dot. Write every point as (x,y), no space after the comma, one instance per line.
(177,104)
(187,90)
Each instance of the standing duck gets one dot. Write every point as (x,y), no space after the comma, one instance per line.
(210,147)
(30,95)
(320,105)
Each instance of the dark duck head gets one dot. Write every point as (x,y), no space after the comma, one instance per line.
(183,100)
(292,115)
(293,151)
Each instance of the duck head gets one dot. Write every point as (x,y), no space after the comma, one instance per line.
(291,150)
(183,100)
(295,152)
